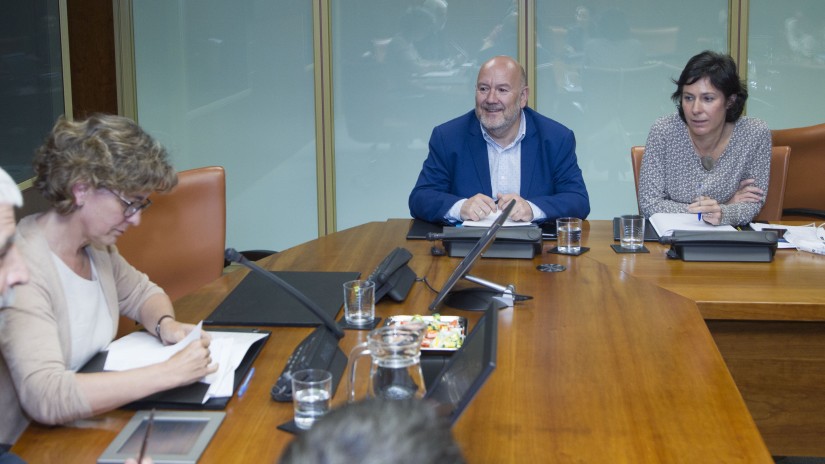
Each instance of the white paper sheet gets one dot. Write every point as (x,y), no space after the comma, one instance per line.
(802,238)
(139,349)
(666,223)
(489,220)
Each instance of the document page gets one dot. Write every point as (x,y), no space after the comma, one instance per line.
(140,349)
(489,220)
(666,223)
(802,238)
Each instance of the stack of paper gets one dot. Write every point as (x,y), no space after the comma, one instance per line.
(139,349)
(800,237)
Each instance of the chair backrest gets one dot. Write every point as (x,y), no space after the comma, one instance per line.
(772,209)
(180,241)
(805,188)
(636,154)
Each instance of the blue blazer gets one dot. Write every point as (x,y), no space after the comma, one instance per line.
(457,167)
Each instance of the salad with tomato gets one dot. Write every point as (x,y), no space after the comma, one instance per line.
(441,333)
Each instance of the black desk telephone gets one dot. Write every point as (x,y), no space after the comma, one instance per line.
(393,277)
(320,349)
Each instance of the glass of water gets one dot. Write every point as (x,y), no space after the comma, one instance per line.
(632,231)
(569,233)
(311,392)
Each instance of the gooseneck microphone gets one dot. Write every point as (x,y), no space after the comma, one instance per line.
(234,256)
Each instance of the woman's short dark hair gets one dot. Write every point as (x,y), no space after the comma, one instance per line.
(721,71)
(105,151)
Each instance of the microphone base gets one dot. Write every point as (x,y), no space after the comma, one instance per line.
(477,299)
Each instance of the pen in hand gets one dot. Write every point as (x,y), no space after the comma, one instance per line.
(151,421)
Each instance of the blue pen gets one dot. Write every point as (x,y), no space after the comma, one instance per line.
(698,197)
(245,384)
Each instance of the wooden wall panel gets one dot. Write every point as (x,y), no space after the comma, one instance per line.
(92,54)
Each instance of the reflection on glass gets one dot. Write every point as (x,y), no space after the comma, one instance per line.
(230,83)
(786,62)
(31,81)
(606,73)
(400,69)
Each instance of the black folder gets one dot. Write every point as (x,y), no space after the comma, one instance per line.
(420,228)
(188,396)
(258,301)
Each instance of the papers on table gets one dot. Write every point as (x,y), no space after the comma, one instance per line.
(666,223)
(139,349)
(489,220)
(800,237)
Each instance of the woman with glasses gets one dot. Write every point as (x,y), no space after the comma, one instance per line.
(97,175)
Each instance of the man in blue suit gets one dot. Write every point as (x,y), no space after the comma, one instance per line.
(499,152)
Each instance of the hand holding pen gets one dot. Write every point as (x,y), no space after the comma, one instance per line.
(707,209)
(521,212)
(477,207)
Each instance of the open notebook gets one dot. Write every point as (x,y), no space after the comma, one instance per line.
(666,223)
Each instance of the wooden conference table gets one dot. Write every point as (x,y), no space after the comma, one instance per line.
(610,362)
(768,321)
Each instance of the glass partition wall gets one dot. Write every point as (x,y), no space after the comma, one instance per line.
(400,68)
(604,69)
(786,62)
(31,80)
(231,83)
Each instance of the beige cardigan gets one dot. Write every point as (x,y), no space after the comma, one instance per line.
(35,382)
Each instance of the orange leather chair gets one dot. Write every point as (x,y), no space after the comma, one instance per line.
(805,192)
(180,241)
(772,209)
(777,185)
(636,154)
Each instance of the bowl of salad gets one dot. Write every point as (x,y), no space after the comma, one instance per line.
(441,333)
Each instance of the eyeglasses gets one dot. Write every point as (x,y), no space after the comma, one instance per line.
(132,207)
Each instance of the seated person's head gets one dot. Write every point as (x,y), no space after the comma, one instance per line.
(501,93)
(720,70)
(102,152)
(377,431)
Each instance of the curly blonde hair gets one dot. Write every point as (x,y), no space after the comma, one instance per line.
(104,151)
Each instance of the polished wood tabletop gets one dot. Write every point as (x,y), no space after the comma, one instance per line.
(791,288)
(768,321)
(600,366)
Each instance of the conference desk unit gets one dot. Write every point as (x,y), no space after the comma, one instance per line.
(601,365)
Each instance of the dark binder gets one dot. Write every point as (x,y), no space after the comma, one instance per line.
(420,228)
(258,301)
(188,396)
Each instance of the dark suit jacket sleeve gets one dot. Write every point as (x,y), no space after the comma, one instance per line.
(457,167)
(550,174)
(450,173)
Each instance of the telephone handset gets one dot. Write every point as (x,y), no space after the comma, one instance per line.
(393,277)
